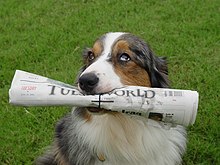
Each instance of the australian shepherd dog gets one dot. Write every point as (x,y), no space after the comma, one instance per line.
(93,136)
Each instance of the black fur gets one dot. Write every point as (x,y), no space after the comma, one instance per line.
(65,137)
(155,66)
(47,159)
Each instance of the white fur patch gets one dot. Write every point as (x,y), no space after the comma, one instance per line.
(127,141)
(108,79)
(110,39)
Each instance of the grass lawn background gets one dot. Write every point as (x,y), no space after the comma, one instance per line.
(47,38)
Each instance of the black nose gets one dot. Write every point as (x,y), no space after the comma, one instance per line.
(88,82)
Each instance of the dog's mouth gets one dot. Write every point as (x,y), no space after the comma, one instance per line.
(96,110)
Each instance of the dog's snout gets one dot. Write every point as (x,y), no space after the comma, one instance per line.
(88,82)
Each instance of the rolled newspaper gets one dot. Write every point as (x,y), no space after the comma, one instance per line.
(160,104)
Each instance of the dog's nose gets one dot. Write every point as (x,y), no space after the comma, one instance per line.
(88,82)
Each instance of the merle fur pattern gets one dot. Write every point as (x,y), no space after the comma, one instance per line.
(66,150)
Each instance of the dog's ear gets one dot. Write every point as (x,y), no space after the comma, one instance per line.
(85,54)
(84,58)
(159,72)
(155,66)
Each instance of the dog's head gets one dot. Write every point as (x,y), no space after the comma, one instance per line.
(120,59)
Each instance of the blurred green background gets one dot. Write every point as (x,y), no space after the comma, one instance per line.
(47,37)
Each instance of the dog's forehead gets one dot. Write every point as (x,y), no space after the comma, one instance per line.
(108,40)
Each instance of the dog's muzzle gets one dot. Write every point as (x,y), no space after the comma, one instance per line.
(88,82)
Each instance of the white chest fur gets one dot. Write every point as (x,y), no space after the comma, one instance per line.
(120,139)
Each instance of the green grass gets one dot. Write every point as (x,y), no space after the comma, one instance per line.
(47,37)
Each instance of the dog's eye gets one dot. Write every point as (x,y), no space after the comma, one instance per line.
(91,56)
(124,57)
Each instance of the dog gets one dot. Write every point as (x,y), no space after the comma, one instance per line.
(93,136)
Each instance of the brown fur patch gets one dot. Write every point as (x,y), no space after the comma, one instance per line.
(129,72)
(101,157)
(59,157)
(97,48)
(90,54)
(87,116)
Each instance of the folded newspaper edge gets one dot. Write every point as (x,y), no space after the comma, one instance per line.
(160,104)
